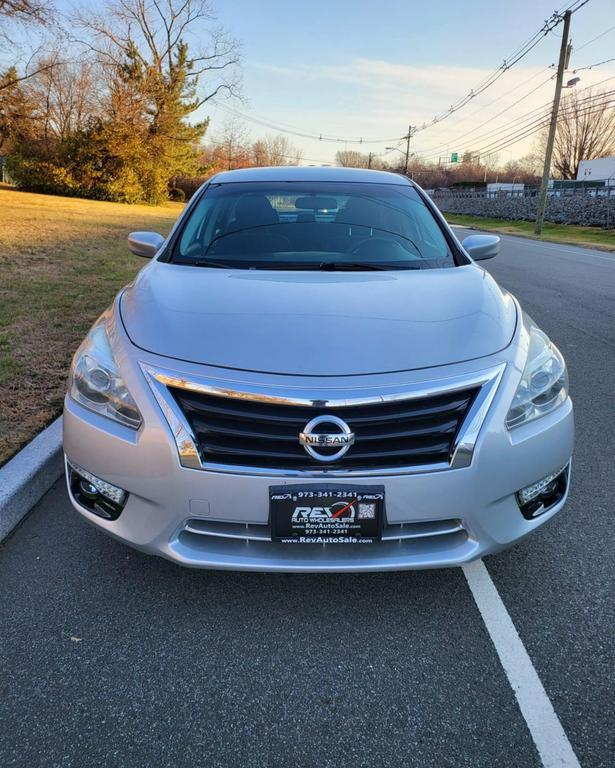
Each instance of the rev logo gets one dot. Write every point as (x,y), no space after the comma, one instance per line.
(320,514)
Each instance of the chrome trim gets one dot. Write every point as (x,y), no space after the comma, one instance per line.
(463,447)
(238,469)
(420,529)
(186,442)
(399,532)
(406,392)
(187,446)
(242,531)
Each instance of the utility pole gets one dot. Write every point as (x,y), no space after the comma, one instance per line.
(564,55)
(408,137)
(369,160)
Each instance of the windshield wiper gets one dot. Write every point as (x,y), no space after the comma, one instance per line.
(330,266)
(356,266)
(322,266)
(211,263)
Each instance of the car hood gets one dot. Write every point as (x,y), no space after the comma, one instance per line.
(318,323)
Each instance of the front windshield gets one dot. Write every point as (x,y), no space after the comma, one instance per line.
(312,225)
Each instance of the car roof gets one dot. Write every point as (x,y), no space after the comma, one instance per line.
(310,173)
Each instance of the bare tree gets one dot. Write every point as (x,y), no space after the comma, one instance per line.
(153,32)
(350,158)
(29,71)
(65,96)
(28,14)
(26,11)
(519,172)
(231,148)
(275,150)
(585,130)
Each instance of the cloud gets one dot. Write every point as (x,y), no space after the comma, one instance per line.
(378,98)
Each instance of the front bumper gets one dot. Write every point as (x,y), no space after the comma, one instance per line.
(209,519)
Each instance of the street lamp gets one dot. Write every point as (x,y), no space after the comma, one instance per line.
(573,82)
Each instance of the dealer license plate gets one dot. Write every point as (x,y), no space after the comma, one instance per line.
(329,514)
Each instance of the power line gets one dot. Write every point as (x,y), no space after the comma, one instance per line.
(517,55)
(537,121)
(550,24)
(439,147)
(592,66)
(528,116)
(532,122)
(304,134)
(593,40)
(596,108)
(503,129)
(482,108)
(589,106)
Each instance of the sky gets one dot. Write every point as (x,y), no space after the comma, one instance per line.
(354,69)
(351,68)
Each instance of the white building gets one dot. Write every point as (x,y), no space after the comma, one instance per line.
(601,169)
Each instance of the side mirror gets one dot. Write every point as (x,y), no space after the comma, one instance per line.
(146,244)
(482,247)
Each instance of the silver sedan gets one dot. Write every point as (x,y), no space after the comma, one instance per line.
(313,374)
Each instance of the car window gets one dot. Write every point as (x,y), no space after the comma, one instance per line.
(310,225)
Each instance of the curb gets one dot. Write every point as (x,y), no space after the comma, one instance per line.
(29,475)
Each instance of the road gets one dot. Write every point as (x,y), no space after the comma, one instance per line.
(112,658)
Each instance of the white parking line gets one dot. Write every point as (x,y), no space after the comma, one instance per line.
(543,723)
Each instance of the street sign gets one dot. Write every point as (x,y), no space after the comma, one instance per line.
(454,157)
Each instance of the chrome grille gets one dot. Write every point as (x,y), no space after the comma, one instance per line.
(392,532)
(249,545)
(401,433)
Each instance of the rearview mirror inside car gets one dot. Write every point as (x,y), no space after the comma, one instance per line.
(313,203)
(145,244)
(482,247)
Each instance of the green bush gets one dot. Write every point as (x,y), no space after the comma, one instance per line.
(41,176)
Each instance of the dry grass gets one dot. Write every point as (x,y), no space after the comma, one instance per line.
(61,262)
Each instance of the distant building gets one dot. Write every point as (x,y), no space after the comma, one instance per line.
(505,189)
(600,169)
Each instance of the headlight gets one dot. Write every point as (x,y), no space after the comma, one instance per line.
(95,380)
(544,384)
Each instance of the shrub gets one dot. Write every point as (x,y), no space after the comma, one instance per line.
(188,184)
(40,176)
(177,195)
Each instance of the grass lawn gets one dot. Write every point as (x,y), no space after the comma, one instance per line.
(61,262)
(554,233)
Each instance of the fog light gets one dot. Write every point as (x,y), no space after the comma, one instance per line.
(538,498)
(109,491)
(88,490)
(95,494)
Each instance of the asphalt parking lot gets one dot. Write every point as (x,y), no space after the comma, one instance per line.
(109,657)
